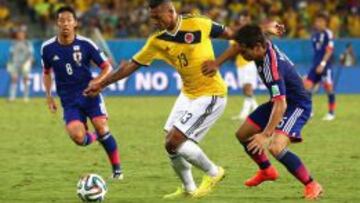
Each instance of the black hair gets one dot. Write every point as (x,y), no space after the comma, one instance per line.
(66,9)
(156,3)
(250,36)
(244,13)
(323,15)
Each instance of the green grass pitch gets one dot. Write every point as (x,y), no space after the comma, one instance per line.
(39,163)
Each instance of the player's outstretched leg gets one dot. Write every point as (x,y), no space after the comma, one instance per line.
(180,165)
(266,171)
(183,170)
(196,156)
(177,143)
(108,142)
(278,148)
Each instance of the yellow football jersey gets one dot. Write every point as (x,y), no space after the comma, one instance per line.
(186,51)
(240,62)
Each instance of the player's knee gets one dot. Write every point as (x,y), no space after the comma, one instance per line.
(275,148)
(240,136)
(78,138)
(14,79)
(328,88)
(173,140)
(170,147)
(248,91)
(308,85)
(76,133)
(101,126)
(102,131)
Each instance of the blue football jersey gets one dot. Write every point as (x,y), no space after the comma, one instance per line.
(281,79)
(321,41)
(71,65)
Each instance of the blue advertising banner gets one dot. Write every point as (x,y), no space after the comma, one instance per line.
(165,81)
(161,79)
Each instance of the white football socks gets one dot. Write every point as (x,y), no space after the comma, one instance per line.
(245,111)
(249,105)
(254,104)
(12,92)
(26,91)
(183,169)
(194,155)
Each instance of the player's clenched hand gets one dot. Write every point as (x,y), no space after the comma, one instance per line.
(209,68)
(51,104)
(93,89)
(257,143)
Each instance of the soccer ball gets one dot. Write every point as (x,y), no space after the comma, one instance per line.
(91,188)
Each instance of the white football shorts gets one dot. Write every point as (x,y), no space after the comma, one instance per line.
(248,75)
(194,117)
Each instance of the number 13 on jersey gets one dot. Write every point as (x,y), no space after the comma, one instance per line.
(183,61)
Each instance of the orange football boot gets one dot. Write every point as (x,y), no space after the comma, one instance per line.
(268,174)
(313,191)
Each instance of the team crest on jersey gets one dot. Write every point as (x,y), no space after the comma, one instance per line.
(76,48)
(77,56)
(189,38)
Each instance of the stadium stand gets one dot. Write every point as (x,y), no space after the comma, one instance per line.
(112,18)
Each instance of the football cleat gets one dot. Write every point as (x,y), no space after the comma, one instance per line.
(313,191)
(179,193)
(117,175)
(208,183)
(329,117)
(269,174)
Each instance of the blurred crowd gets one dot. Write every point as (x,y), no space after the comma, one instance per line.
(129,18)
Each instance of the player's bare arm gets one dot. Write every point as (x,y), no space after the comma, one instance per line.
(270,28)
(324,61)
(49,99)
(227,34)
(210,67)
(259,140)
(125,69)
(106,70)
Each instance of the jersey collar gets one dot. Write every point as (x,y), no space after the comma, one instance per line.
(178,25)
(57,40)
